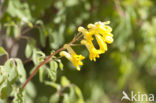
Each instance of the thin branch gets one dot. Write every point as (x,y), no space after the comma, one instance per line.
(76,44)
(21,36)
(26,61)
(48,58)
(15,41)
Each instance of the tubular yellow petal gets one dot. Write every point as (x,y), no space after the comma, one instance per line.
(82,29)
(86,33)
(106,22)
(91,26)
(78,68)
(66,54)
(70,50)
(102,44)
(109,39)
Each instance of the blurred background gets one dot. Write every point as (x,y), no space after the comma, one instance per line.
(128,65)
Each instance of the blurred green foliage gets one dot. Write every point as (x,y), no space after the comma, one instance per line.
(45,25)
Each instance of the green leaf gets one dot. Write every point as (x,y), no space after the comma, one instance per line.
(51,75)
(16,31)
(11,70)
(66,98)
(54,98)
(13,75)
(52,71)
(21,71)
(20,97)
(78,91)
(79,94)
(38,56)
(15,69)
(42,73)
(53,84)
(57,38)
(9,31)
(60,64)
(29,47)
(1,79)
(53,66)
(2,75)
(28,50)
(70,3)
(39,22)
(6,90)
(2,51)
(20,10)
(43,35)
(30,24)
(30,90)
(72,95)
(64,81)
(39,6)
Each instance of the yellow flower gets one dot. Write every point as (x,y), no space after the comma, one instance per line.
(103,29)
(93,52)
(87,35)
(72,56)
(103,35)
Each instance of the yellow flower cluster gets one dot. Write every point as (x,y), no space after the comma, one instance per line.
(103,35)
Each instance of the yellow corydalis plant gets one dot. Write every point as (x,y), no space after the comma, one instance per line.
(103,35)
